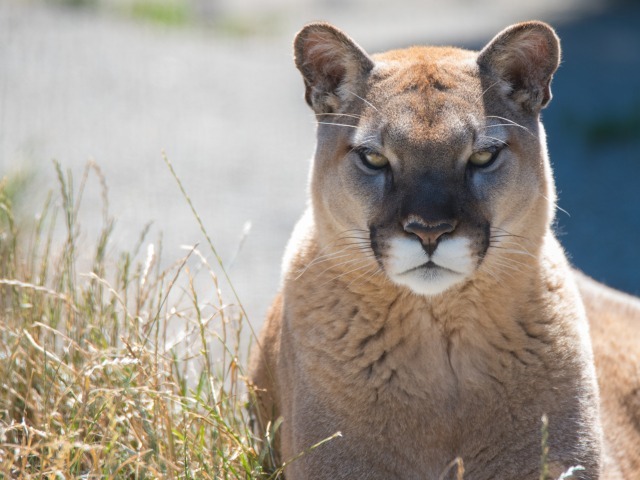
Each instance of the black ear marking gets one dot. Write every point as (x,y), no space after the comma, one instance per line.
(331,64)
(525,56)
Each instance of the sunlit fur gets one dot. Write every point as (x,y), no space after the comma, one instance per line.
(421,348)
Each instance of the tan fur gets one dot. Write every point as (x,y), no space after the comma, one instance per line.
(415,373)
(615,334)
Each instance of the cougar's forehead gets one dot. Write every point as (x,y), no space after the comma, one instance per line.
(425,96)
(437,75)
(426,90)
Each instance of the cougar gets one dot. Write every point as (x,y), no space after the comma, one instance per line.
(427,314)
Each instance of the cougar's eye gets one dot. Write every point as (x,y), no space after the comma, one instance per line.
(373,160)
(484,158)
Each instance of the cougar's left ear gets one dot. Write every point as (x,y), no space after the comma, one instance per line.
(332,66)
(525,56)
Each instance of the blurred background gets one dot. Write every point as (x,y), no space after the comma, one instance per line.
(212,83)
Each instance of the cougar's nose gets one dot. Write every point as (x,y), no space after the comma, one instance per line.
(429,233)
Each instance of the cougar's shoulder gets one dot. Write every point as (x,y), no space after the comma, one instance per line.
(614,319)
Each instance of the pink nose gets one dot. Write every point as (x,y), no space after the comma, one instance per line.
(429,233)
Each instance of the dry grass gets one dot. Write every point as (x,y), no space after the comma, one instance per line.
(115,368)
(108,370)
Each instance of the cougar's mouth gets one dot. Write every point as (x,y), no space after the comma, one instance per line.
(408,264)
(428,266)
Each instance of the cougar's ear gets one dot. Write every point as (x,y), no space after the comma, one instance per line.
(332,66)
(525,56)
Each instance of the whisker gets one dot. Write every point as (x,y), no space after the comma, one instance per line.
(364,100)
(350,115)
(363,260)
(513,263)
(508,244)
(497,268)
(562,210)
(500,271)
(555,204)
(377,271)
(343,274)
(505,119)
(509,233)
(329,256)
(333,256)
(323,258)
(364,143)
(502,235)
(503,238)
(374,269)
(351,245)
(338,124)
(345,242)
(504,267)
(496,139)
(486,90)
(347,234)
(511,122)
(491,272)
(501,241)
(352,233)
(343,246)
(511,250)
(354,237)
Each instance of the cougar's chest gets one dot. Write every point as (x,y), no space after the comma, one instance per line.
(388,355)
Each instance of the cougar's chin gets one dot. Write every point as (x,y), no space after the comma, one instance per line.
(408,264)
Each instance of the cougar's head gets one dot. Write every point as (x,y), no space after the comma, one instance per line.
(435,154)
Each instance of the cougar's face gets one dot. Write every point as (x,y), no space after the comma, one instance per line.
(441,175)
(434,155)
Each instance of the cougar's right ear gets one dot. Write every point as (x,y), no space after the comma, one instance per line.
(332,66)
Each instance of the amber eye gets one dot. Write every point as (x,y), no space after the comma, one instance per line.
(483,158)
(373,160)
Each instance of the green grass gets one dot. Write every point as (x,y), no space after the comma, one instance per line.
(178,13)
(89,387)
(182,14)
(163,12)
